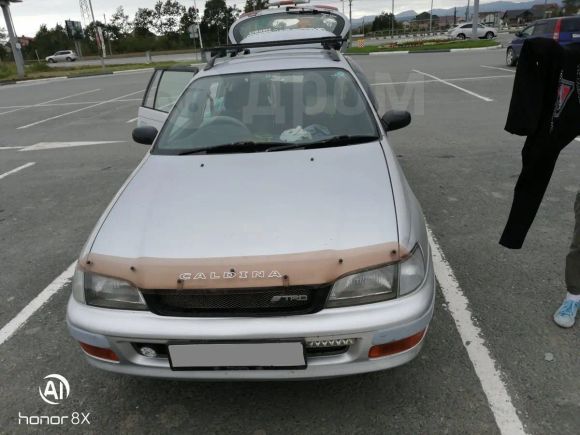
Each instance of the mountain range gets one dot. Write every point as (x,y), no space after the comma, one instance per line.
(483,7)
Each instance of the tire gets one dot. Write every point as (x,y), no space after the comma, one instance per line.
(51,61)
(69,59)
(489,35)
(461,36)
(510,57)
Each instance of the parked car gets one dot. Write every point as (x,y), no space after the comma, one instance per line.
(464,31)
(269,233)
(62,56)
(565,30)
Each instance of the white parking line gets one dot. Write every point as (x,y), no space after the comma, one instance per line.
(35,304)
(18,169)
(50,101)
(132,120)
(446,82)
(78,110)
(72,103)
(498,68)
(459,79)
(485,366)
(58,145)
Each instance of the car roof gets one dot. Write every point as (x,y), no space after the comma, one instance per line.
(277,59)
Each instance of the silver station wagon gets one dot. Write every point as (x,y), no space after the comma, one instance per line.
(269,233)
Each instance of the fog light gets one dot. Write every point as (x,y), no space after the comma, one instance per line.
(99,352)
(336,342)
(396,346)
(147,351)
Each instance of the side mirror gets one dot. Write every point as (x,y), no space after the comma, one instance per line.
(396,119)
(519,34)
(145,135)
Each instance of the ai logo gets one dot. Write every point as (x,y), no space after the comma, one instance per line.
(56,389)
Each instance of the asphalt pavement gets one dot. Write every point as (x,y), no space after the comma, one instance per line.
(460,163)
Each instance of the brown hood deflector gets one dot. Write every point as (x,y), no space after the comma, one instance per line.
(309,268)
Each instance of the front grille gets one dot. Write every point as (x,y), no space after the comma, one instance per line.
(274,301)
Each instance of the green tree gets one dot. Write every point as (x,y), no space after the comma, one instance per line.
(384,21)
(255,5)
(571,7)
(217,18)
(47,41)
(166,16)
(190,16)
(3,42)
(143,22)
(120,24)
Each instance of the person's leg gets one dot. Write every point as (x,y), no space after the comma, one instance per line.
(566,314)
(573,258)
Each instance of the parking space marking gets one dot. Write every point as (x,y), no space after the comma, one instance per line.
(56,145)
(132,120)
(72,103)
(446,82)
(51,101)
(35,304)
(484,365)
(459,79)
(78,110)
(498,68)
(18,169)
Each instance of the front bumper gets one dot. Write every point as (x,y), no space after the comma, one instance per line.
(369,325)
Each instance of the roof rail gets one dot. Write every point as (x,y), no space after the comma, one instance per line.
(331,43)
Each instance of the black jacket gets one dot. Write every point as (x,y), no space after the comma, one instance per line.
(545,107)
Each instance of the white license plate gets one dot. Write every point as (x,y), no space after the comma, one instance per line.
(237,355)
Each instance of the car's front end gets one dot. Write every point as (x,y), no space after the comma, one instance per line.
(260,241)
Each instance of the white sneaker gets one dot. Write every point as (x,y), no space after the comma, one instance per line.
(566,314)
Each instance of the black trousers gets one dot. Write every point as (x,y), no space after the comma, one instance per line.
(573,257)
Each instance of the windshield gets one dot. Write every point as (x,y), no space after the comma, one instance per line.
(280,107)
(287,21)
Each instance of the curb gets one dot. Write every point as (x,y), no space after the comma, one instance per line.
(447,50)
(76,76)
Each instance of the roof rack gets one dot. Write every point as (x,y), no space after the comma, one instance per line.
(330,43)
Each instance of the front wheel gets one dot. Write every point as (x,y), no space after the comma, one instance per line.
(69,59)
(510,57)
(461,36)
(489,35)
(51,61)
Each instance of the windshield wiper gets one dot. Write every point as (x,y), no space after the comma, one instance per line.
(234,147)
(335,141)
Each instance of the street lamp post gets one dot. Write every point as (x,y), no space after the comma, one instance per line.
(475,24)
(14,44)
(431,18)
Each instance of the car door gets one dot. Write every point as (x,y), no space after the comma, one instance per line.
(163,90)
(569,30)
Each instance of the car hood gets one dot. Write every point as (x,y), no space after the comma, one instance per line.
(306,215)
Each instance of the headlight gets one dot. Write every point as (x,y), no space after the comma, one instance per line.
(411,272)
(379,284)
(102,291)
(365,287)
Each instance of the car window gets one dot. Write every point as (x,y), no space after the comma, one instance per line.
(286,21)
(571,25)
(275,106)
(170,86)
(466,26)
(544,28)
(528,31)
(149,98)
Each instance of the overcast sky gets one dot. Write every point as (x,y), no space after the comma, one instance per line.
(30,14)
